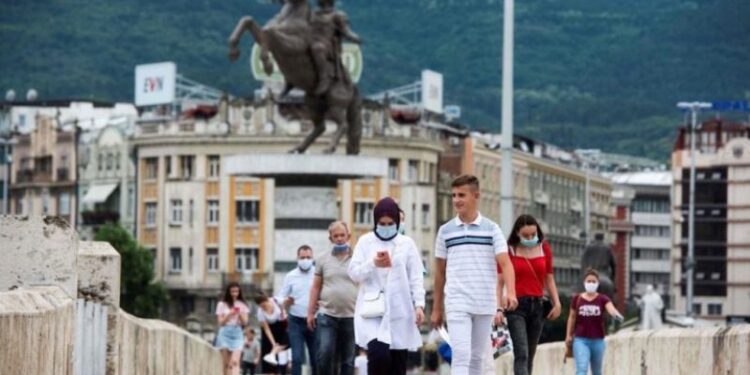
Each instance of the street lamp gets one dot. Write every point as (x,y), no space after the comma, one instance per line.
(506,178)
(694,108)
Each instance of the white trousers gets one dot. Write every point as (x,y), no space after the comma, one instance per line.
(470,338)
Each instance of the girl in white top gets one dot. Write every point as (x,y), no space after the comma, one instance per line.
(388,262)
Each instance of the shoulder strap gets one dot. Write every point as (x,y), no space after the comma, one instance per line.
(533,272)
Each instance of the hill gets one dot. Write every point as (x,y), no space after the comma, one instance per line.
(604,73)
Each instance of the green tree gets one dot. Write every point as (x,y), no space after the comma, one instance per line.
(140,295)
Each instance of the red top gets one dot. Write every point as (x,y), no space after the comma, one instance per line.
(590,316)
(526,284)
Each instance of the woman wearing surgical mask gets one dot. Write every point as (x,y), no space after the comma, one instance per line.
(531,257)
(586,330)
(391,298)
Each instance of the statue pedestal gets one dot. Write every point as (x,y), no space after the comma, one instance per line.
(301,200)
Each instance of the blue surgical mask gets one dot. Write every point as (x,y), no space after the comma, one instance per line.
(386,232)
(304,264)
(337,249)
(530,243)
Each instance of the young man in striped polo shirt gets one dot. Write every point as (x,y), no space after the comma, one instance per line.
(467,249)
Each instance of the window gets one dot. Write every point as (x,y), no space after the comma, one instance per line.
(246,259)
(247,211)
(152,168)
(190,260)
(176,209)
(191,207)
(425,215)
(363,213)
(652,231)
(213,166)
(714,309)
(152,253)
(45,202)
(413,170)
(212,259)
(187,303)
(175,259)
(110,160)
(213,212)
(117,161)
(99,162)
(168,166)
(186,166)
(211,304)
(393,169)
(151,214)
(697,310)
(64,205)
(19,206)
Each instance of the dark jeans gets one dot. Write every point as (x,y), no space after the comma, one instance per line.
(299,335)
(248,368)
(335,342)
(381,360)
(525,326)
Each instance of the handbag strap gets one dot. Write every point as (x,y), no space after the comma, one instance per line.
(533,271)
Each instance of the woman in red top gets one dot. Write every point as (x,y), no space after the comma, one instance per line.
(532,261)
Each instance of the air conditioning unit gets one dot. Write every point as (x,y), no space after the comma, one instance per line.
(541,197)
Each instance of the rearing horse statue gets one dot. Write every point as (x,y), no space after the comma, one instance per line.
(290,37)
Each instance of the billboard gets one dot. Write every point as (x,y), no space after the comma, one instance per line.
(432,91)
(155,83)
(351,57)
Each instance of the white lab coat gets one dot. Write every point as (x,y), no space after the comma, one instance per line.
(403,287)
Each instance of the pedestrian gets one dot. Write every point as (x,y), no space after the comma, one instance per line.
(390,302)
(585,330)
(295,293)
(231,314)
(331,309)
(531,257)
(467,250)
(273,322)
(360,363)
(250,353)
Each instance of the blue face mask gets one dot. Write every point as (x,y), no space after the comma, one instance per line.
(338,249)
(386,232)
(530,243)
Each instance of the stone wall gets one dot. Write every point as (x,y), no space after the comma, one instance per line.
(719,350)
(37,331)
(155,347)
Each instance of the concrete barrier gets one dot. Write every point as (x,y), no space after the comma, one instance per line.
(37,251)
(718,350)
(155,347)
(37,329)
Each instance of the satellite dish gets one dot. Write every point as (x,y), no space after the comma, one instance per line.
(10,95)
(31,95)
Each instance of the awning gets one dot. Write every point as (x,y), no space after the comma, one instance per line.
(99,193)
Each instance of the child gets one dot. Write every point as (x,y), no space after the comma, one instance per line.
(250,352)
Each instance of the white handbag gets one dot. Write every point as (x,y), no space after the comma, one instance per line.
(373,305)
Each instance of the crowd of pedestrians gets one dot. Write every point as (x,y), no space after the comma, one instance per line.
(371,299)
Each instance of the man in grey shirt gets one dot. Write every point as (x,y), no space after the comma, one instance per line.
(333,296)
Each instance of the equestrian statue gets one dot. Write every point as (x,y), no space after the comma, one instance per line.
(306,46)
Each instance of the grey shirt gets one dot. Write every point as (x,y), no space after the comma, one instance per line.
(338,293)
(249,351)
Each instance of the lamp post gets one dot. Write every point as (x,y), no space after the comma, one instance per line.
(506,178)
(694,108)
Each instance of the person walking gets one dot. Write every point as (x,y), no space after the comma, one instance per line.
(585,329)
(232,314)
(295,293)
(531,257)
(467,249)
(273,322)
(391,298)
(330,311)
(250,353)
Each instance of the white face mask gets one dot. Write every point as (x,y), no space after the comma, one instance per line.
(591,287)
(304,264)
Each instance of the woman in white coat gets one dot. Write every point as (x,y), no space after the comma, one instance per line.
(390,303)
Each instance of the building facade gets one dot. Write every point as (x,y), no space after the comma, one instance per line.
(721,275)
(106,167)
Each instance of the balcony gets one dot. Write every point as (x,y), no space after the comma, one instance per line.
(33,176)
(97,218)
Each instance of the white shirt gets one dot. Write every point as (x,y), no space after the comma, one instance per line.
(402,284)
(271,318)
(297,285)
(471,270)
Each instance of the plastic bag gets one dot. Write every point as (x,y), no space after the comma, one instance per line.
(501,341)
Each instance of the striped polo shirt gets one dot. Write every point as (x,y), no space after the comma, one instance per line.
(471,271)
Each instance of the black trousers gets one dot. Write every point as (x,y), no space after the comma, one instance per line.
(381,360)
(525,326)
